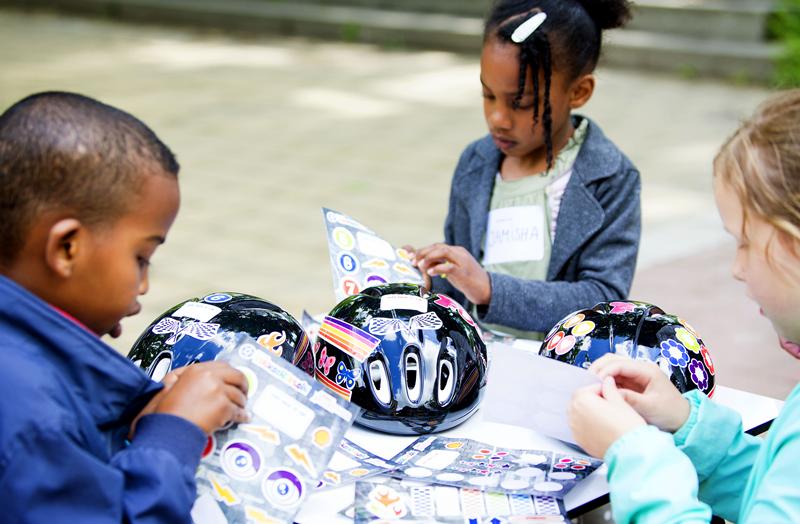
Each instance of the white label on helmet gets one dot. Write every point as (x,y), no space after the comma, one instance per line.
(404,302)
(283,412)
(197,311)
(375,246)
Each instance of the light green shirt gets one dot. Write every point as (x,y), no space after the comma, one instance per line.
(529,192)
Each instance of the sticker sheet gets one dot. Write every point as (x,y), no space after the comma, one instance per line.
(350,463)
(262,471)
(382,499)
(471,464)
(360,258)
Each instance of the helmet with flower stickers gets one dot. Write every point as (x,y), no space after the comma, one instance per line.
(185,333)
(637,330)
(415,361)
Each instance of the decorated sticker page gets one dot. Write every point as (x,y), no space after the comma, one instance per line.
(383,499)
(350,463)
(262,471)
(360,258)
(471,464)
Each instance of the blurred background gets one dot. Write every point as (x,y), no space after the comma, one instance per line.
(276,109)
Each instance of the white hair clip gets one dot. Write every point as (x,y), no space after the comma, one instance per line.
(526,28)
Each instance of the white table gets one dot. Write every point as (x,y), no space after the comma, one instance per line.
(757,412)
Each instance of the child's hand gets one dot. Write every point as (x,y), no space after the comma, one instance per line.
(459,267)
(425,277)
(208,394)
(647,389)
(598,416)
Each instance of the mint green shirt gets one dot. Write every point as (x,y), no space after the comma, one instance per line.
(709,466)
(532,191)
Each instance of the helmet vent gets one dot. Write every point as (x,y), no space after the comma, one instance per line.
(446,382)
(413,386)
(162,365)
(379,382)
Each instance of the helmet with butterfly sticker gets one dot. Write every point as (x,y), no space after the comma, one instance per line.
(186,333)
(415,361)
(637,330)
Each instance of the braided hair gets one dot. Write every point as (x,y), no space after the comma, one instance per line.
(570,40)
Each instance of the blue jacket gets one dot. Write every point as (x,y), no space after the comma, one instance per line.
(709,465)
(596,242)
(66,400)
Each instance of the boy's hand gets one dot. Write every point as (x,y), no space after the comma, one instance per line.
(598,416)
(647,389)
(168,381)
(459,267)
(208,394)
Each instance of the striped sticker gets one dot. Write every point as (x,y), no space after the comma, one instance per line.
(333,386)
(354,341)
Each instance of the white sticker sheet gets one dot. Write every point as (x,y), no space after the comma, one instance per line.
(262,471)
(351,463)
(470,464)
(383,499)
(360,258)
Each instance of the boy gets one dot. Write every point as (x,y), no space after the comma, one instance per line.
(87,194)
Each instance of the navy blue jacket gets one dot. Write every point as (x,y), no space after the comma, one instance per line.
(596,242)
(66,401)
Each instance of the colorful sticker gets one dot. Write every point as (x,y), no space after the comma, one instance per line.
(211,445)
(358,472)
(352,340)
(223,492)
(252,379)
(404,269)
(584,328)
(573,320)
(384,502)
(618,308)
(565,345)
(263,432)
(217,298)
(707,359)
(282,487)
(376,263)
(675,353)
(454,445)
(688,326)
(346,377)
(349,287)
(689,340)
(302,458)
(348,263)
(321,437)
(325,362)
(699,374)
(177,330)
(258,516)
(449,303)
(240,459)
(343,238)
(272,342)
(374,280)
(403,253)
(333,386)
(553,342)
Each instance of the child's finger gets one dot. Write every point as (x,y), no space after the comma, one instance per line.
(236,396)
(610,391)
(441,268)
(605,361)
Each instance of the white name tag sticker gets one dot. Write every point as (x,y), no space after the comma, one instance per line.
(515,234)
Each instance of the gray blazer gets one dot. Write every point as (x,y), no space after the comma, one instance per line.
(596,242)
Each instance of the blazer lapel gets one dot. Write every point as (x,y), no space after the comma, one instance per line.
(478,204)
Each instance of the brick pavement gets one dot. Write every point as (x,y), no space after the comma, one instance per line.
(270,130)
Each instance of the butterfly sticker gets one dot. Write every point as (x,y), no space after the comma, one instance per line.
(384,326)
(198,330)
(325,362)
(346,377)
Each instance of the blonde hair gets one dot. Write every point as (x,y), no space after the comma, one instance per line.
(761,162)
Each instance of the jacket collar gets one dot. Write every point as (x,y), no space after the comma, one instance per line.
(597,159)
(113,389)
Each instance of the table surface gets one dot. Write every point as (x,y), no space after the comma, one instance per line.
(757,413)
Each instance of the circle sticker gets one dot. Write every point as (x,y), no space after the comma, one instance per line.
(350,287)
(566,344)
(454,445)
(322,437)
(343,238)
(217,298)
(348,263)
(283,487)
(211,444)
(584,328)
(240,460)
(573,320)
(553,342)
(252,379)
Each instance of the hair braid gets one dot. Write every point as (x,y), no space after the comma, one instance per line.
(547,66)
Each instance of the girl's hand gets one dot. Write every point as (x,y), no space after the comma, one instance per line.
(598,416)
(647,389)
(425,277)
(459,267)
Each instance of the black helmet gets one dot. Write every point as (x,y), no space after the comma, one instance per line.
(640,331)
(185,333)
(414,360)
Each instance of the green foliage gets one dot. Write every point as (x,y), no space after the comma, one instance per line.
(786,27)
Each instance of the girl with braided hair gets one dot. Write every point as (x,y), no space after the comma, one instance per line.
(544,214)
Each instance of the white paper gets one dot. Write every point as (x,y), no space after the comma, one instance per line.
(514,234)
(528,390)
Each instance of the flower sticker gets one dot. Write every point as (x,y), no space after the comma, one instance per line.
(707,359)
(584,328)
(565,345)
(573,320)
(618,308)
(689,340)
(553,342)
(675,353)
(699,374)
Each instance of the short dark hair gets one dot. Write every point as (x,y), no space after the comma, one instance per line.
(68,151)
(569,41)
